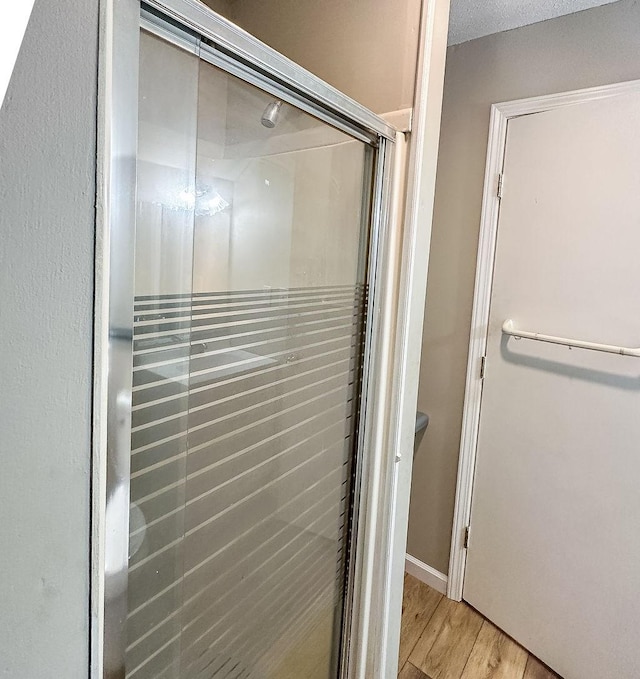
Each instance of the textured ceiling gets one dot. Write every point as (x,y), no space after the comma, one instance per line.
(474,18)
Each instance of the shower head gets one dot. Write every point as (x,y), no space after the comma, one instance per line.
(271,114)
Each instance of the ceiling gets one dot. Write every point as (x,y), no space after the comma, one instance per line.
(472,19)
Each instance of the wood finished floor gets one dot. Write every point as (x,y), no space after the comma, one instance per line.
(444,639)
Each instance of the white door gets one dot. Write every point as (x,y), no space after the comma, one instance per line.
(554,553)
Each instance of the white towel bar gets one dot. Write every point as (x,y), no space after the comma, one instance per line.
(509,329)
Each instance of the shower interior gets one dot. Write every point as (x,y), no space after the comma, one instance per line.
(250,298)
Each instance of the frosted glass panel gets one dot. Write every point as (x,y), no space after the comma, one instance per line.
(249,317)
(276,344)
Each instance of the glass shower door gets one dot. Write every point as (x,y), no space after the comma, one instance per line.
(253,228)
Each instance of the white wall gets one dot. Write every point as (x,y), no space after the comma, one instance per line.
(47,161)
(593,47)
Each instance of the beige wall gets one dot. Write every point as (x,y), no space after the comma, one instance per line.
(365,48)
(223,7)
(589,48)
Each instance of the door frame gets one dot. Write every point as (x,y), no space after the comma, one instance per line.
(494,182)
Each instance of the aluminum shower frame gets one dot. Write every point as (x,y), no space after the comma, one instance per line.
(185,23)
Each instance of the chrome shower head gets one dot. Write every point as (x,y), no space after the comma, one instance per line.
(271,114)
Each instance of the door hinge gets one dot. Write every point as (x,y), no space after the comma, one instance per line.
(483,363)
(500,185)
(466,537)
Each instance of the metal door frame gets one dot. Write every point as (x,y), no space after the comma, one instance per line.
(236,52)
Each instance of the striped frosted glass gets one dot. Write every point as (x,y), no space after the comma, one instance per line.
(248,332)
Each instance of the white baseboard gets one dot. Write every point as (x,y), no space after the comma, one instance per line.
(425,573)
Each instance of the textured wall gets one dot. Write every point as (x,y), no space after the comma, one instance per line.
(470,20)
(593,47)
(47,160)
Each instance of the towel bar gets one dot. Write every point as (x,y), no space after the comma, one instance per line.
(509,329)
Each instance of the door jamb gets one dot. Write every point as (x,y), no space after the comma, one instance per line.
(500,115)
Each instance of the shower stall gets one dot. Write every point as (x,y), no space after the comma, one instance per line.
(246,364)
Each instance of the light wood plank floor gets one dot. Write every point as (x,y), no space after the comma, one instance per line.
(443,639)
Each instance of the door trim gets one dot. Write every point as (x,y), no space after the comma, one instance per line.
(500,115)
(412,211)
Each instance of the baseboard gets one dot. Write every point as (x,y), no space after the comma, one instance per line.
(430,576)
